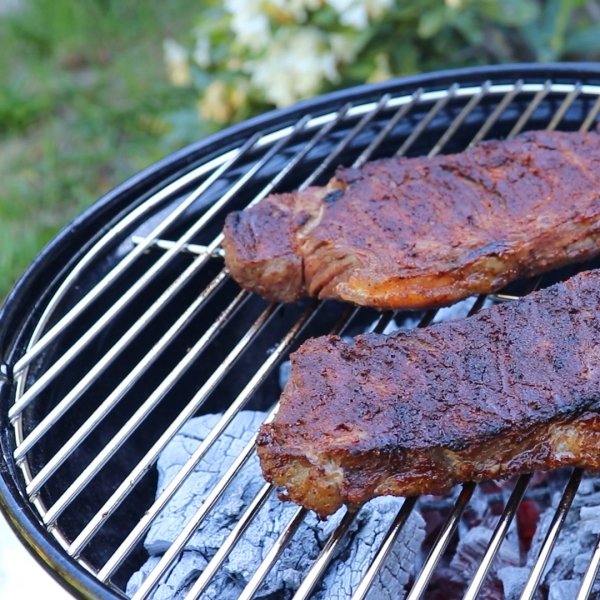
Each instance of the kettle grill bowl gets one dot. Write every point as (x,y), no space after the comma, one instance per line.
(41,298)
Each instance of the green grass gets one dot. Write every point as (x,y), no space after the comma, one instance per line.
(84,104)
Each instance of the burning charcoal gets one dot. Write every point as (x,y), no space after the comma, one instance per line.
(571,554)
(458,310)
(177,581)
(464,554)
(513,581)
(560,590)
(372,523)
(475,531)
(468,556)
(284,373)
(191,494)
(356,551)
(528,516)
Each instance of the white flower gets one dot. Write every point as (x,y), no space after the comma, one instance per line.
(249,22)
(357,13)
(176,59)
(343,47)
(201,54)
(297,8)
(293,66)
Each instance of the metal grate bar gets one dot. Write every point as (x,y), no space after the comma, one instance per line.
(272,556)
(219,558)
(591,118)
(387,544)
(422,126)
(103,284)
(398,116)
(502,105)
(442,542)
(186,249)
(590,575)
(119,392)
(320,135)
(143,525)
(197,401)
(329,550)
(498,536)
(552,535)
(149,405)
(464,113)
(367,118)
(560,113)
(536,101)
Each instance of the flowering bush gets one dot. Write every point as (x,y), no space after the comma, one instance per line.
(250,55)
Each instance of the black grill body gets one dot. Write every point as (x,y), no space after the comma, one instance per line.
(66,274)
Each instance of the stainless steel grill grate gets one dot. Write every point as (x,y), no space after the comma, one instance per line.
(147,330)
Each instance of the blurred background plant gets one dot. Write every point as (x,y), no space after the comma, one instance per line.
(252,55)
(84,103)
(93,91)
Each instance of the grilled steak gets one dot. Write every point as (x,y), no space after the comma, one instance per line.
(423,233)
(510,390)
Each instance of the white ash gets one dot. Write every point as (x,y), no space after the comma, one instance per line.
(343,575)
(472,547)
(459,310)
(571,555)
(474,531)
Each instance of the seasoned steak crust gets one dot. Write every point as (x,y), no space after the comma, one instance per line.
(425,232)
(513,389)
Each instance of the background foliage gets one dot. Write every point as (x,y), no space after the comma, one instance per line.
(92,91)
(84,103)
(250,55)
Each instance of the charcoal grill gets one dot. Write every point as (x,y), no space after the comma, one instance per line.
(127,325)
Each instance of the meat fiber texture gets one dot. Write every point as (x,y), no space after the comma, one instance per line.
(416,233)
(510,390)
(573,550)
(341,578)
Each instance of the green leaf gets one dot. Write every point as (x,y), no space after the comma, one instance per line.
(431,23)
(326,18)
(509,12)
(200,77)
(584,41)
(404,58)
(469,27)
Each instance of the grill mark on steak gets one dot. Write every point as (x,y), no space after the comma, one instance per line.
(423,233)
(513,389)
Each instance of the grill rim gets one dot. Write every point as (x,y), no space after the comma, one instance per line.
(23,306)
